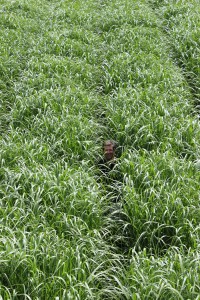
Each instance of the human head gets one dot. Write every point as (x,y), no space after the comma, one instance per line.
(109,147)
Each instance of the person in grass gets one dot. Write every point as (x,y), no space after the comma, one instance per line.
(108,161)
(112,179)
(110,175)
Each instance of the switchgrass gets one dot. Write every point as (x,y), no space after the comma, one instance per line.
(164,278)
(163,213)
(180,20)
(72,74)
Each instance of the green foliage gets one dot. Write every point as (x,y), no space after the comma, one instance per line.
(72,74)
(181,22)
(156,278)
(161,195)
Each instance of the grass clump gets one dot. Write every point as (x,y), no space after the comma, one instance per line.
(181,20)
(157,203)
(175,276)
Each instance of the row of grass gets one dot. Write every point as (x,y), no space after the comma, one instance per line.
(73,74)
(180,20)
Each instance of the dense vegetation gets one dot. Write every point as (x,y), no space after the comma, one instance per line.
(73,73)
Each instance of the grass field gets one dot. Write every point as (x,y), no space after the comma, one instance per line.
(72,74)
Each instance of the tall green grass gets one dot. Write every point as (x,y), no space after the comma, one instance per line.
(180,20)
(72,74)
